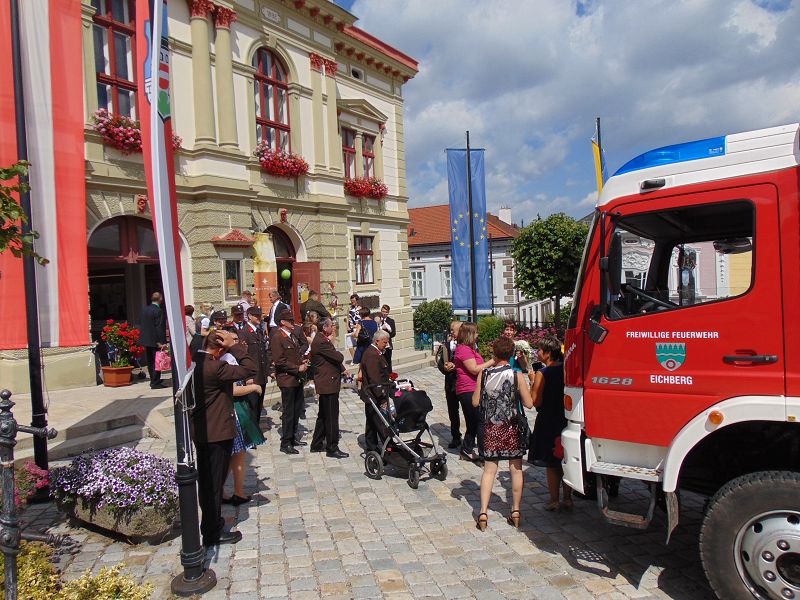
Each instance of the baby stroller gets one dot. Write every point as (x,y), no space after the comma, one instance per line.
(402,411)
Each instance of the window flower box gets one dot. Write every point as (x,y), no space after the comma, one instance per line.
(280,164)
(124,133)
(361,187)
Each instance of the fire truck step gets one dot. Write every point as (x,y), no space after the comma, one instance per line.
(616,517)
(626,471)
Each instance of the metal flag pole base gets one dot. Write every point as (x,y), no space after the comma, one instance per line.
(194,579)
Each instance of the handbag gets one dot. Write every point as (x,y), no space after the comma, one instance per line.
(163,361)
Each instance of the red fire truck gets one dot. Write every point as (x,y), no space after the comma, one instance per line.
(682,365)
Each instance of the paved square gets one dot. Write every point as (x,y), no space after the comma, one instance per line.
(318,527)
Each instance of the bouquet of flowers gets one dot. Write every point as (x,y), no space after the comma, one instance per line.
(123,479)
(361,187)
(278,163)
(122,343)
(524,347)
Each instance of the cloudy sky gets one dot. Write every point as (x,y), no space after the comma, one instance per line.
(528,77)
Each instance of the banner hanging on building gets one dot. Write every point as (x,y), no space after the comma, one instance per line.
(52,72)
(153,100)
(462,245)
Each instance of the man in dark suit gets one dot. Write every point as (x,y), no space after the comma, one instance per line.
(288,354)
(214,427)
(237,314)
(314,304)
(258,348)
(374,371)
(387,324)
(153,336)
(328,368)
(277,307)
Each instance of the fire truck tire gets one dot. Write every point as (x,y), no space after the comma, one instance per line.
(750,537)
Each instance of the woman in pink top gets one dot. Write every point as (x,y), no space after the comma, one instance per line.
(469,364)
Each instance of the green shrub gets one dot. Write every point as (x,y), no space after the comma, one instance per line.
(433,317)
(38,578)
(489,329)
(565,311)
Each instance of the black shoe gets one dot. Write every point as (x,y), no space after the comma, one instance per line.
(226,537)
(289,450)
(158,386)
(317,449)
(299,443)
(336,454)
(276,406)
(455,443)
(237,500)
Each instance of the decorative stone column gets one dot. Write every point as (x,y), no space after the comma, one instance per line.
(400,152)
(204,130)
(378,149)
(226,104)
(317,64)
(89,69)
(359,154)
(334,141)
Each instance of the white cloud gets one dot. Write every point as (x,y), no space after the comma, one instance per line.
(528,78)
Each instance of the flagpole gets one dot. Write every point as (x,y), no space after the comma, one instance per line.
(599,141)
(38,412)
(471,237)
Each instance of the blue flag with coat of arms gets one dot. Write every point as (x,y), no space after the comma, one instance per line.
(460,217)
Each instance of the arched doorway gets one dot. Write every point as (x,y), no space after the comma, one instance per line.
(285,257)
(302,275)
(123,270)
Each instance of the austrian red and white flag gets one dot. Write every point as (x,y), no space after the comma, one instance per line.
(153,99)
(52,72)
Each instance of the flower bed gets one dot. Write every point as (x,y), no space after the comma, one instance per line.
(124,133)
(121,489)
(361,187)
(27,479)
(122,343)
(280,164)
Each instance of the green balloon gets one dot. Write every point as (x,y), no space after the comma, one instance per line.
(286,274)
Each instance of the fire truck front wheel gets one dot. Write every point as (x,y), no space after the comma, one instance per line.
(750,538)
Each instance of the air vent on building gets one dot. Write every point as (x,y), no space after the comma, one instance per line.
(357,73)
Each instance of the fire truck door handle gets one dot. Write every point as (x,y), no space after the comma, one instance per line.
(753,359)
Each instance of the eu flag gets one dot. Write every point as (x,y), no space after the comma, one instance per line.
(462,246)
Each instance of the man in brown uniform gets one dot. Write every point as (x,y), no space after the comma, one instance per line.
(328,368)
(374,371)
(290,365)
(258,348)
(214,427)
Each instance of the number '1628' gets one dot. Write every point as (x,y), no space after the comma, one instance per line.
(613,380)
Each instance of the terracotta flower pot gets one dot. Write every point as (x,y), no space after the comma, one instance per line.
(117,376)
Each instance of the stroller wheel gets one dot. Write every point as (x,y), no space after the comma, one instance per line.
(373,465)
(413,478)
(439,470)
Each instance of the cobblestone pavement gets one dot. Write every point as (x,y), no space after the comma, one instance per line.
(318,527)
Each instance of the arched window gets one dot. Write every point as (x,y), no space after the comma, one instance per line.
(114,55)
(272,101)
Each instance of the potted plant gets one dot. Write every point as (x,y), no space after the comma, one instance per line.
(362,187)
(124,133)
(27,479)
(119,489)
(278,163)
(122,349)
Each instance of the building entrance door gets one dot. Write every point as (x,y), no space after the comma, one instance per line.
(123,271)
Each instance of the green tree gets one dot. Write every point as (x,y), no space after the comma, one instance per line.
(433,317)
(12,218)
(547,255)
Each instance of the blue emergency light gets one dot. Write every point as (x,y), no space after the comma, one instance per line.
(708,148)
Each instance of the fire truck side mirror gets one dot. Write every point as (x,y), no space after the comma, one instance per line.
(597,333)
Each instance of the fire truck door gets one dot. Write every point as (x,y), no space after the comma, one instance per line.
(695,316)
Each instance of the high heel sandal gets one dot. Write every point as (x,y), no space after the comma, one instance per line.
(483,521)
(514,518)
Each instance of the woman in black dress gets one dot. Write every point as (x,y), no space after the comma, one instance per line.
(500,394)
(548,398)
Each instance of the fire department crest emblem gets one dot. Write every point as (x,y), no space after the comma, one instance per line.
(671,356)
